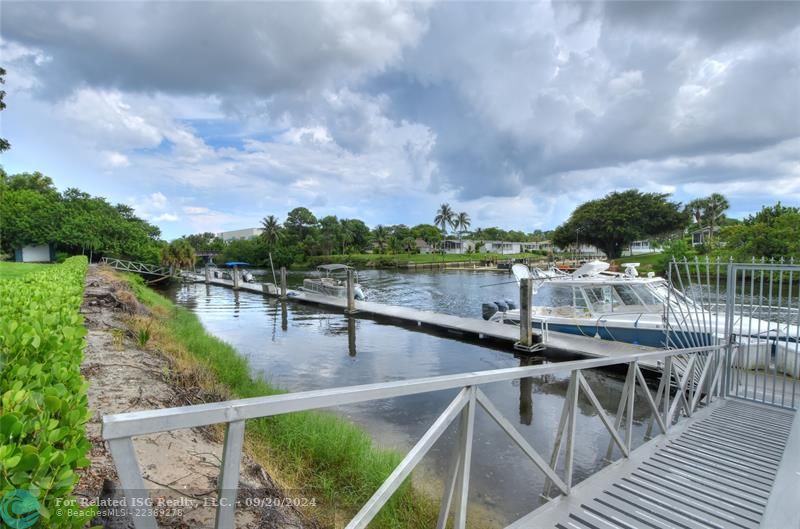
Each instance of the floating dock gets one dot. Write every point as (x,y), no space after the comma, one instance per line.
(467,327)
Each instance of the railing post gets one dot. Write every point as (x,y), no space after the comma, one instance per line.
(729,304)
(667,385)
(573,412)
(130,478)
(283,282)
(631,396)
(466,433)
(228,488)
(351,292)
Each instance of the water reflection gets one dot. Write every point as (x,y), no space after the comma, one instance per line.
(314,349)
(351,336)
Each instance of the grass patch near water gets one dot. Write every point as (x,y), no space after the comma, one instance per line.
(317,453)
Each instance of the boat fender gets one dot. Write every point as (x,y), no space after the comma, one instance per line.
(488,310)
(501,306)
(511,304)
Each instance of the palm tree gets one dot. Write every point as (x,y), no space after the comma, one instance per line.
(178,254)
(379,235)
(271,230)
(462,223)
(696,208)
(716,205)
(444,218)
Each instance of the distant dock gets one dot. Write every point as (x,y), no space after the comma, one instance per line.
(468,327)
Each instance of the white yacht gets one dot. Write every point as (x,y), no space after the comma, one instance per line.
(625,307)
(332,281)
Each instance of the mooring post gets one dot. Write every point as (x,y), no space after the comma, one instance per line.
(283,282)
(235,277)
(525,342)
(208,275)
(351,292)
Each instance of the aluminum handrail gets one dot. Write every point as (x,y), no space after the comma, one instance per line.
(152,421)
(119,429)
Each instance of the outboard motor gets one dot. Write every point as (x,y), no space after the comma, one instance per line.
(488,310)
(511,304)
(359,294)
(501,306)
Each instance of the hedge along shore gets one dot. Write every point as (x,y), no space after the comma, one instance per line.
(309,454)
(44,408)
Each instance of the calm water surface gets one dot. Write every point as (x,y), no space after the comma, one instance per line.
(303,347)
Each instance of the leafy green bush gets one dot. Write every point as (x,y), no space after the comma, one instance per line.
(44,407)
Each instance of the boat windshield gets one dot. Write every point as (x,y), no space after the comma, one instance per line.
(601,298)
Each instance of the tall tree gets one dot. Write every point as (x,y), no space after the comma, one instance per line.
(616,220)
(462,223)
(444,218)
(299,222)
(715,207)
(696,208)
(271,231)
(379,236)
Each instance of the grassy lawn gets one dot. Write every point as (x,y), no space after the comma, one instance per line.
(9,270)
(644,259)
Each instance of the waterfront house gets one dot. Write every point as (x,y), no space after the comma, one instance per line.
(642,247)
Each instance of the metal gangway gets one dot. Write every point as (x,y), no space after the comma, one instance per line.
(722,449)
(123,265)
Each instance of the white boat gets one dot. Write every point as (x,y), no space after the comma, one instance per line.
(625,307)
(332,281)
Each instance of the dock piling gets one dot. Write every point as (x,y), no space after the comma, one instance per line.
(236,277)
(526,337)
(283,282)
(208,274)
(351,292)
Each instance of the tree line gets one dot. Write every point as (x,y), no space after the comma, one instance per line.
(33,211)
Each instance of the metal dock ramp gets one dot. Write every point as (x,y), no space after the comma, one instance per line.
(717,471)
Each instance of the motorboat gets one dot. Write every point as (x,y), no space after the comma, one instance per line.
(625,307)
(331,280)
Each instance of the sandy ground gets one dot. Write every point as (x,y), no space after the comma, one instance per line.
(180,467)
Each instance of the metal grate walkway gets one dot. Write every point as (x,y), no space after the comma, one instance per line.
(717,472)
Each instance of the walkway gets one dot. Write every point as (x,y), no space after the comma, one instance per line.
(717,471)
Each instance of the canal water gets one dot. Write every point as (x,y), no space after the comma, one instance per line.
(303,347)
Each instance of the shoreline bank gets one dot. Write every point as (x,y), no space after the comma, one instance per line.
(310,454)
(180,467)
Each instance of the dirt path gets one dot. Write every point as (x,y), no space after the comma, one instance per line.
(180,467)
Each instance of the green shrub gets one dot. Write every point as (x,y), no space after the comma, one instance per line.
(44,407)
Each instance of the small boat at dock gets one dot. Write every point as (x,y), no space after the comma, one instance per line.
(332,281)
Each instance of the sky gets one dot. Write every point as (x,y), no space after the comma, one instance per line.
(208,116)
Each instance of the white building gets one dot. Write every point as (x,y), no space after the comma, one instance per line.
(642,247)
(239,235)
(35,253)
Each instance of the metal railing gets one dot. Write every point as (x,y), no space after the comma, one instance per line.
(765,360)
(133,266)
(679,394)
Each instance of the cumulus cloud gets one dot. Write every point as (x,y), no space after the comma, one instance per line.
(516,111)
